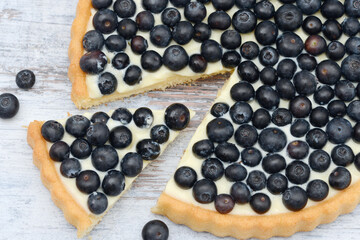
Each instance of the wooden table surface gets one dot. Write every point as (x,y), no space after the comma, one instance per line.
(35,35)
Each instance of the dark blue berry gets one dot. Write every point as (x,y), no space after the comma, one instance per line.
(230,39)
(127,28)
(143,117)
(299,128)
(266,33)
(9,105)
(350,68)
(242,91)
(155,6)
(251,157)
(356,132)
(241,112)
(175,58)
(288,17)
(306,62)
(298,172)
(133,75)
(204,191)
(332,30)
(59,151)
(107,83)
(342,155)
(160,133)
(273,163)
(277,183)
(123,115)
(249,50)
(335,51)
(240,193)
(256,180)
(115,43)
(264,10)
(261,118)
(120,137)
(227,152)
(77,125)
(319,160)
(340,178)
(97,202)
(98,134)
(88,181)
(339,130)
(70,168)
(52,131)
(269,76)
(332,9)
(323,95)
(183,32)
(125,8)
(317,190)
(245,4)
(170,17)
(260,203)
(286,68)
(93,62)
(160,36)
(202,32)
(185,177)
(219,130)
(305,83)
(151,61)
(312,25)
(120,61)
(113,183)
(145,20)
(267,97)
(131,164)
(195,12)
(138,44)
(244,21)
(231,59)
(181,3)
(357,162)
(246,136)
(219,20)
(248,71)
(300,106)
(197,63)
(337,108)
(235,172)
(272,140)
(308,7)
(352,8)
(212,169)
(294,198)
(268,56)
(281,117)
(148,149)
(211,51)
(25,79)
(99,4)
(298,149)
(80,148)
(203,148)
(316,138)
(105,21)
(177,116)
(224,203)
(155,230)
(353,110)
(352,45)
(289,44)
(104,158)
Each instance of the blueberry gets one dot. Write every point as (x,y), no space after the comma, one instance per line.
(138,44)
(235,172)
(197,63)
(185,177)
(298,149)
(268,76)
(202,32)
(299,128)
(248,71)
(125,8)
(177,116)
(261,118)
(332,9)
(175,58)
(183,32)
(145,20)
(170,17)
(52,131)
(357,162)
(353,110)
(332,30)
(115,43)
(256,180)
(88,181)
(231,59)
(195,12)
(288,17)
(219,130)
(131,164)
(151,61)
(245,4)
(240,193)
(319,160)
(264,10)
(285,89)
(267,97)
(25,79)
(241,112)
(219,109)
(155,230)
(273,163)
(249,50)
(155,6)
(268,56)
(337,108)
(99,4)
(350,68)
(242,91)
(300,106)
(181,3)
(211,51)
(160,36)
(294,198)
(309,7)
(352,45)
(305,83)
(312,25)
(306,62)
(323,95)
(266,33)
(160,133)
(286,68)
(317,190)
(339,130)
(148,149)
(97,202)
(230,39)
(340,178)
(352,8)
(244,21)
(123,115)
(277,183)
(93,62)
(251,157)
(342,155)
(204,191)
(104,158)
(335,51)
(227,152)
(246,136)
(298,172)
(281,117)
(224,203)
(350,26)
(356,132)
(59,151)
(133,75)
(316,138)
(219,20)
(120,61)
(315,45)
(9,106)
(203,148)
(272,140)
(70,168)
(113,183)
(143,117)
(289,44)
(319,117)
(212,169)
(105,21)
(223,4)
(260,203)
(120,137)
(97,134)
(80,148)
(127,28)
(107,83)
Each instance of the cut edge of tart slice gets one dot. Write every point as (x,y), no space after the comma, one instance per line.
(203,219)
(80,95)
(61,194)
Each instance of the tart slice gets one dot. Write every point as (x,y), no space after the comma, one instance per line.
(89,161)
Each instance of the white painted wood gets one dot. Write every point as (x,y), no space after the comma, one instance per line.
(35,35)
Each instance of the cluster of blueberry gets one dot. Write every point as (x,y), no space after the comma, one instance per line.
(283,52)
(94,139)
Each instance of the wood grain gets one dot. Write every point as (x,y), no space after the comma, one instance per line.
(35,35)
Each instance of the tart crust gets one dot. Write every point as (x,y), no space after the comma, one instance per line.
(79,93)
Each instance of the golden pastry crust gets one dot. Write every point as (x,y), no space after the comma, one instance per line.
(73,213)
(260,226)
(79,93)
